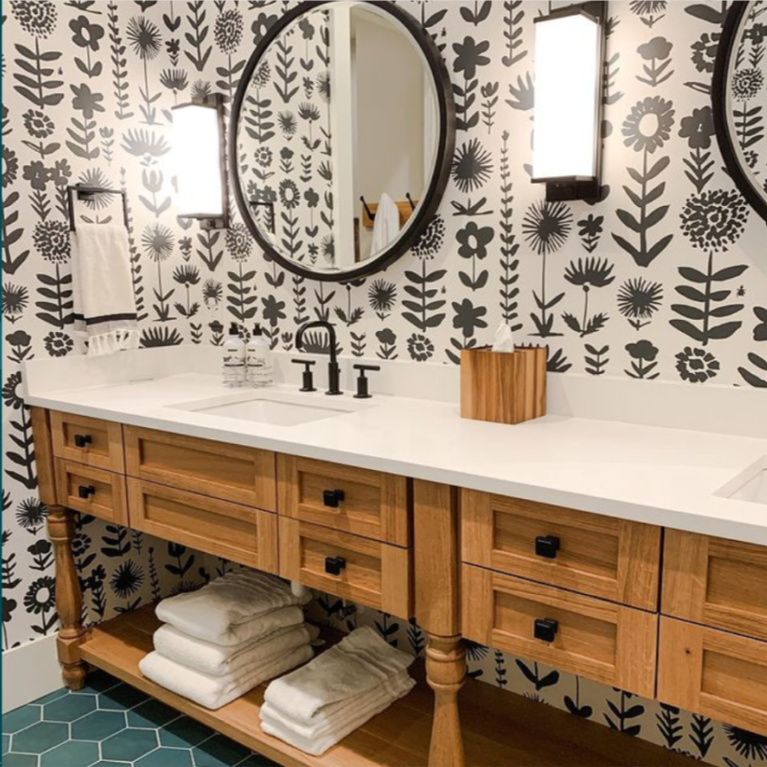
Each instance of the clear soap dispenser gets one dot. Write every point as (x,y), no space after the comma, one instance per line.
(258,360)
(234,358)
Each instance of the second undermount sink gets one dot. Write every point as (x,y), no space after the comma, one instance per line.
(272,407)
(750,485)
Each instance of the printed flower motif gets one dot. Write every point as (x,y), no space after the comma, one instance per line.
(696,365)
(81,544)
(228,31)
(757,34)
(38,124)
(158,241)
(262,75)
(288,124)
(10,166)
(238,242)
(714,220)
(263,156)
(698,128)
(546,226)
(591,273)
(639,299)
(60,174)
(591,226)
(431,239)
(262,25)
(289,194)
(40,596)
(201,90)
(472,166)
(469,56)
(420,348)
(649,124)
(85,34)
(10,391)
(704,51)
(273,310)
(37,175)
(474,240)
(127,579)
(51,238)
(58,344)
(468,317)
(144,37)
(760,331)
(212,293)
(86,101)
(658,48)
(386,337)
(311,198)
(175,80)
(329,248)
(746,84)
(19,338)
(15,301)
(749,745)
(323,85)
(307,28)
(643,350)
(647,7)
(185,246)
(31,514)
(37,17)
(186,275)
(382,295)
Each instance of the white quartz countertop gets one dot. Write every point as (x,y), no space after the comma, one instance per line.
(661,476)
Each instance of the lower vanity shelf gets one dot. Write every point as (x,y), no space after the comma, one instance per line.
(498,728)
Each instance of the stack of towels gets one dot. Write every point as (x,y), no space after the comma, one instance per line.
(229,637)
(316,706)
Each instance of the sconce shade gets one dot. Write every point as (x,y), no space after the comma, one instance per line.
(198,147)
(568,94)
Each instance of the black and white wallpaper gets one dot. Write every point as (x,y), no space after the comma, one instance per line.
(664,279)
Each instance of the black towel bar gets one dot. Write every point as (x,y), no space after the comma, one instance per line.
(81,191)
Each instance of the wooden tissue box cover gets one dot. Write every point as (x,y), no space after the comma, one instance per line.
(503,387)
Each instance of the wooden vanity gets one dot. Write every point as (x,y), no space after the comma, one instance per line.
(677,616)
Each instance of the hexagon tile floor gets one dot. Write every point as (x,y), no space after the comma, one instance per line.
(112,724)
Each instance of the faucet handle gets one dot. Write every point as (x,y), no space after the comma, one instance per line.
(308,376)
(363,391)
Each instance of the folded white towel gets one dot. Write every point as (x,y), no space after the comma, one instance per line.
(215,691)
(360,662)
(104,304)
(215,660)
(223,612)
(316,740)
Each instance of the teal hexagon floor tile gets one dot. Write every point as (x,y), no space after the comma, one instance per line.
(6,744)
(152,713)
(219,751)
(21,718)
(19,760)
(99,725)
(129,745)
(166,757)
(39,737)
(51,696)
(69,708)
(121,698)
(74,753)
(184,733)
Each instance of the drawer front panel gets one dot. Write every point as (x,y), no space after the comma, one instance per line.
(610,643)
(713,673)
(717,582)
(600,556)
(371,573)
(230,472)
(91,491)
(244,535)
(90,441)
(368,503)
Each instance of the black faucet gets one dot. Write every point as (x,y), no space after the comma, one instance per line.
(334,370)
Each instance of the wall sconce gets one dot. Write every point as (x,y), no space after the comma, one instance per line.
(199,147)
(569,71)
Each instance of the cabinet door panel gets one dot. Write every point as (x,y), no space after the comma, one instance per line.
(86,440)
(92,491)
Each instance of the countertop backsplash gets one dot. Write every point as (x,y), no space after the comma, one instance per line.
(608,287)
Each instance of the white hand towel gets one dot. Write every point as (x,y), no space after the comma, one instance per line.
(213,692)
(386,224)
(216,660)
(223,612)
(104,304)
(320,741)
(360,662)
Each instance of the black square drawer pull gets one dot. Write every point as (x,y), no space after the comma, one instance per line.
(86,491)
(333,497)
(81,440)
(334,565)
(547,546)
(546,629)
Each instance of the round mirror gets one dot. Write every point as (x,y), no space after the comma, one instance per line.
(740,99)
(342,134)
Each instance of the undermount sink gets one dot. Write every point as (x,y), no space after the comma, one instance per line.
(276,408)
(750,485)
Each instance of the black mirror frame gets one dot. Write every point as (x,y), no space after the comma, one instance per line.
(430,201)
(727,47)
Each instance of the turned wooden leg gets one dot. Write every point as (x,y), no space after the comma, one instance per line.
(446,673)
(69,598)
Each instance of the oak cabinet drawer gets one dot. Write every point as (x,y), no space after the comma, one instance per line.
(90,441)
(604,641)
(239,533)
(713,673)
(91,491)
(365,571)
(230,472)
(590,553)
(717,582)
(359,501)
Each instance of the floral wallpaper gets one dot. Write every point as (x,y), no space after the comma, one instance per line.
(664,278)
